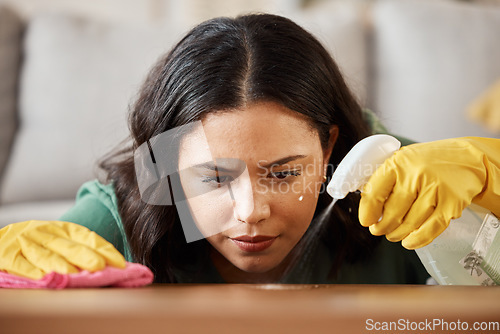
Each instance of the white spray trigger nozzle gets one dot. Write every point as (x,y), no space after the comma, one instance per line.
(360,163)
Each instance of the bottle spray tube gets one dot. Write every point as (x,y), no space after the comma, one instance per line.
(466,253)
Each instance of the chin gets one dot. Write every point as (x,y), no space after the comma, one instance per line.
(256,269)
(257,265)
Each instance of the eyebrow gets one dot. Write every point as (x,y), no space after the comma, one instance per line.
(284,160)
(211,166)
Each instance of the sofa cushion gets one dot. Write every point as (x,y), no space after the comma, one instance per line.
(78,78)
(40,210)
(11,27)
(432,58)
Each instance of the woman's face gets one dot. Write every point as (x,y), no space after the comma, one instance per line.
(262,184)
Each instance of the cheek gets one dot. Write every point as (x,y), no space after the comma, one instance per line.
(299,205)
(212,212)
(296,210)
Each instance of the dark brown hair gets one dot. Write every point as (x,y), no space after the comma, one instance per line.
(222,64)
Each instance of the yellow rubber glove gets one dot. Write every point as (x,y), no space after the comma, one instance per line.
(423,186)
(35,248)
(486,109)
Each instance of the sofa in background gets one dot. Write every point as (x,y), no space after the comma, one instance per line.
(67,81)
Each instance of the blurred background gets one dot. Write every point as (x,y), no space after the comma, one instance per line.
(180,11)
(430,69)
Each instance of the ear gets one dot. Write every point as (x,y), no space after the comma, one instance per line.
(334,134)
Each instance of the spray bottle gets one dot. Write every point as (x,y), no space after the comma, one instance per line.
(466,253)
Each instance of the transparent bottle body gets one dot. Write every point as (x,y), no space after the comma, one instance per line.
(444,257)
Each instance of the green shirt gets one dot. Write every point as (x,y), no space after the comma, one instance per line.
(96,208)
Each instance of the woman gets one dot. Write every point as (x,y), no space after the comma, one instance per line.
(241,125)
(265,75)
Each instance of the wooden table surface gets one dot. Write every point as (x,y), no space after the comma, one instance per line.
(253,309)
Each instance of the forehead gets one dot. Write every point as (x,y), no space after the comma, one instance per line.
(260,131)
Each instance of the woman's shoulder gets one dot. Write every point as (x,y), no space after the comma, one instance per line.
(96,207)
(95,200)
(377,127)
(104,194)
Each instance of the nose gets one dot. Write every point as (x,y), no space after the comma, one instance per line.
(250,206)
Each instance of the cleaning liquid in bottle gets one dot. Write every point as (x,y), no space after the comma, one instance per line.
(466,253)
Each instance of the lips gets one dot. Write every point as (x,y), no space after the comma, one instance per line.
(253,244)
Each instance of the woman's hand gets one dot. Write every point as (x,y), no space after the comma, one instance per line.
(35,248)
(413,196)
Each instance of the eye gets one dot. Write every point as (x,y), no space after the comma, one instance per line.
(281,175)
(217,180)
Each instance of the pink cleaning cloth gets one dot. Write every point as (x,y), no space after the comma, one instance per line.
(133,275)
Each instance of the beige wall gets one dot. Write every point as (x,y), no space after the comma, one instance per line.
(127,10)
(185,12)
